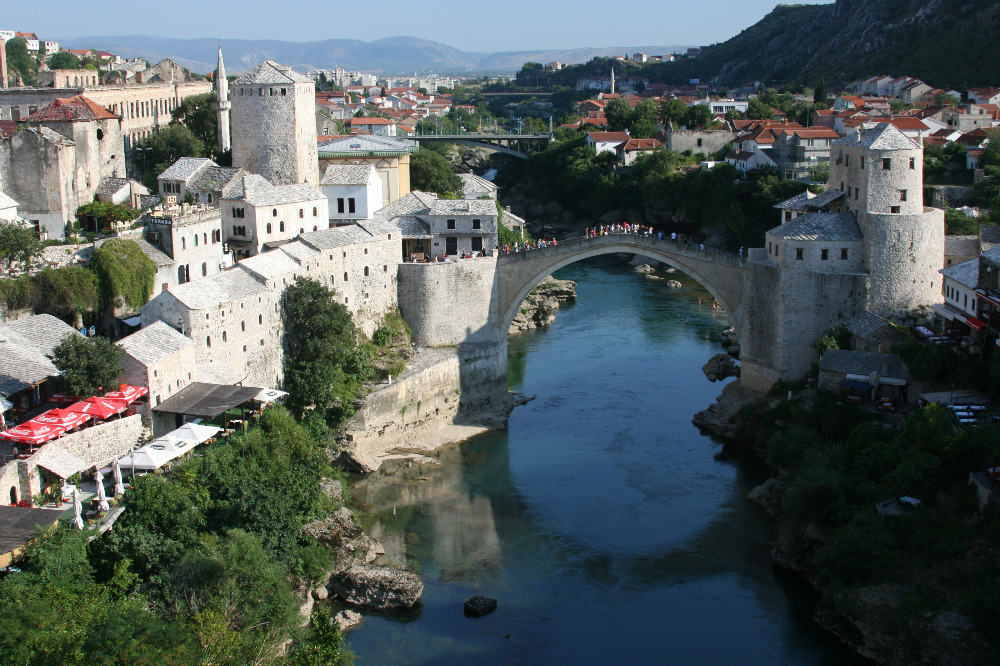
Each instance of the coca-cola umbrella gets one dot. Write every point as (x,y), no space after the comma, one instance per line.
(127,394)
(32,433)
(62,417)
(98,407)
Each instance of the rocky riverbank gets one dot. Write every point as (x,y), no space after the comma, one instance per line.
(540,307)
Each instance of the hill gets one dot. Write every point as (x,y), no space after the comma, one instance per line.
(949,44)
(395,55)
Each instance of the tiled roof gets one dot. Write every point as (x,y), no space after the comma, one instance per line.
(154,253)
(184,168)
(820,226)
(336,237)
(258,191)
(961,246)
(471,184)
(414,203)
(216,289)
(609,136)
(347,174)
(881,137)
(215,178)
(965,273)
(463,207)
(863,363)
(270,265)
(411,227)
(989,235)
(808,201)
(865,324)
(6,201)
(110,186)
(298,251)
(26,348)
(642,144)
(70,109)
(154,343)
(367,143)
(270,72)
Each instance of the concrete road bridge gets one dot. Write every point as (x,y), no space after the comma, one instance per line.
(720,272)
(517,145)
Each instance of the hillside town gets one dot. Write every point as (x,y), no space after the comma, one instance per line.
(311,181)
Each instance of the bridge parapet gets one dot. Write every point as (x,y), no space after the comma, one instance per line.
(665,245)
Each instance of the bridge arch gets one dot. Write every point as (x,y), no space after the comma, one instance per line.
(721,273)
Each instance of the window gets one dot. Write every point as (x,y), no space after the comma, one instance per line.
(798,253)
(302,213)
(204,269)
(281,225)
(856,193)
(340,205)
(208,340)
(314,212)
(283,91)
(824,254)
(477,224)
(366,271)
(847,160)
(477,244)
(902,195)
(184,243)
(196,240)
(451,224)
(268,227)
(913,163)
(886,162)
(301,230)
(893,209)
(843,253)
(788,215)
(699,142)
(204,238)
(260,319)
(350,205)
(274,212)
(345,276)
(315,228)
(223,336)
(243,326)
(385,268)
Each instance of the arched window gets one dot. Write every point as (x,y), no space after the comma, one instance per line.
(268,227)
(314,211)
(204,238)
(281,225)
(315,228)
(197,197)
(345,276)
(301,230)
(366,271)
(274,212)
(301,213)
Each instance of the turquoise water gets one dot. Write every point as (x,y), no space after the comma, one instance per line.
(608,527)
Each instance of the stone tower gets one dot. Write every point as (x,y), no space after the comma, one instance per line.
(223,104)
(274,124)
(880,171)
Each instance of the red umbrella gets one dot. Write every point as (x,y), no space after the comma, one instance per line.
(99,408)
(32,433)
(62,417)
(127,394)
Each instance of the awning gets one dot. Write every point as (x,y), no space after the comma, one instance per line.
(270,395)
(59,461)
(983,296)
(194,433)
(856,385)
(207,400)
(947,313)
(975,324)
(134,320)
(889,381)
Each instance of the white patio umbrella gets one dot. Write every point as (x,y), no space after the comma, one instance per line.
(194,432)
(116,470)
(102,499)
(77,510)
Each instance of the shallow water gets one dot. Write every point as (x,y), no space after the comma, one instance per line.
(608,527)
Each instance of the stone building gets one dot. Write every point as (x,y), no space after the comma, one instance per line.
(160,359)
(191,237)
(274,124)
(67,78)
(389,156)
(354,192)
(199,177)
(56,160)
(697,141)
(258,216)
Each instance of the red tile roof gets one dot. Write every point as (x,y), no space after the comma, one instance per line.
(609,136)
(642,144)
(70,109)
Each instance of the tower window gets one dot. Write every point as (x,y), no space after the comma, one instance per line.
(893,209)
(886,162)
(902,195)
(824,254)
(913,163)
(862,161)
(843,253)
(302,213)
(477,224)
(274,212)
(451,224)
(798,253)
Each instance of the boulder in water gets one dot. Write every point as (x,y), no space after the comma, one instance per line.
(479,606)
(377,587)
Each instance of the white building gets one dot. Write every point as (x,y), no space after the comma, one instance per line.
(353,192)
(258,216)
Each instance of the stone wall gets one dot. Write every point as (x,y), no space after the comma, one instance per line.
(10,481)
(697,141)
(904,254)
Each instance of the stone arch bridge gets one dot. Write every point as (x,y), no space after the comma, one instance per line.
(721,273)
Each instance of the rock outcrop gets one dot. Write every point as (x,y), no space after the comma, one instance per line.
(730,342)
(347,619)
(377,587)
(719,367)
(722,418)
(540,307)
(479,606)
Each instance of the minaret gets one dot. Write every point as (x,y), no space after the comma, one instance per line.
(612,80)
(223,104)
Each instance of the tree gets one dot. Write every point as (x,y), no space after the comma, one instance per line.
(105,213)
(431,172)
(758,109)
(18,60)
(324,645)
(156,152)
(19,245)
(198,114)
(699,116)
(673,111)
(819,94)
(125,274)
(65,292)
(618,113)
(88,365)
(63,60)
(643,121)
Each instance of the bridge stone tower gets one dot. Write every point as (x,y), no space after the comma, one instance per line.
(274,124)
(223,104)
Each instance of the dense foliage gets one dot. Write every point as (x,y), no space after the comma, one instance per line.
(88,365)
(105,213)
(19,245)
(198,114)
(837,463)
(65,292)
(20,62)
(124,272)
(153,154)
(431,172)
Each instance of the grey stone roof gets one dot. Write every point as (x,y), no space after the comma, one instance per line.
(154,343)
(414,203)
(368,143)
(215,178)
(51,135)
(989,236)
(336,237)
(379,226)
(6,201)
(882,136)
(270,265)
(863,363)
(347,174)
(965,273)
(963,246)
(820,226)
(473,185)
(110,186)
(299,251)
(511,220)
(216,289)
(463,207)
(269,72)
(258,191)
(992,254)
(865,324)
(159,257)
(411,227)
(808,201)
(149,201)
(184,168)
(25,351)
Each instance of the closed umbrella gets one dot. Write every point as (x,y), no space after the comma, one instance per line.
(102,499)
(116,471)
(77,510)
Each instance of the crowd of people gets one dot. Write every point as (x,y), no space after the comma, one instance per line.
(623,228)
(517,246)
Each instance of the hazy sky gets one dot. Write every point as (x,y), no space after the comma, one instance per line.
(503,25)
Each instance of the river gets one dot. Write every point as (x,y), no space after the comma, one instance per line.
(608,527)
